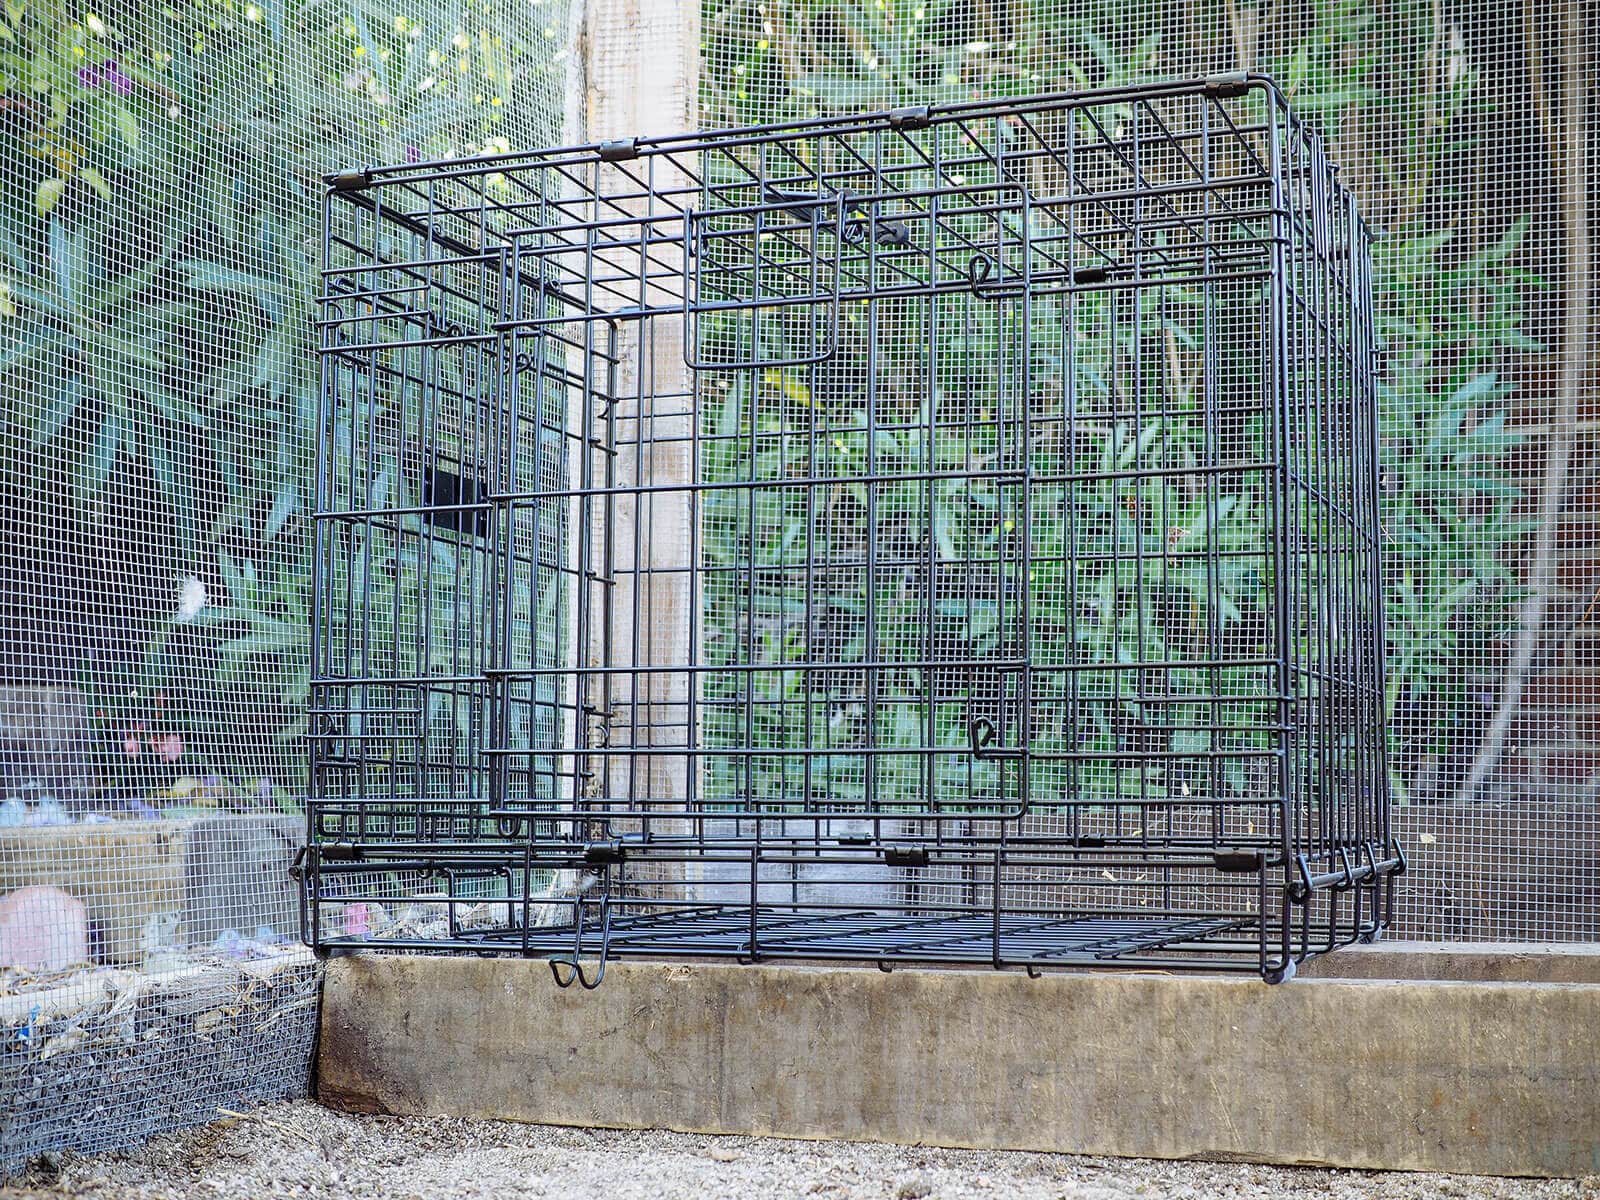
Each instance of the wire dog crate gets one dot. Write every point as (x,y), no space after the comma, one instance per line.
(946,535)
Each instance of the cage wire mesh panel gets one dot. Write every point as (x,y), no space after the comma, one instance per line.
(1466,131)
(1032,541)
(158,254)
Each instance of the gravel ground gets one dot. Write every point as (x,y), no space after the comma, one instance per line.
(301,1150)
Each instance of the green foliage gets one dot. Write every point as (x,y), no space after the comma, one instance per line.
(158,270)
(1408,106)
(1452,503)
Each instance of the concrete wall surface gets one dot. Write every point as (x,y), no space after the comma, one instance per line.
(1494,1078)
(1482,962)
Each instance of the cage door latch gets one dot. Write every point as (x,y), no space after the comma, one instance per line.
(983,734)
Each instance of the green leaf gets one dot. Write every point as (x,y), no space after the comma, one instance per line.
(1477,388)
(97,181)
(106,445)
(284,506)
(232,579)
(210,276)
(128,127)
(59,411)
(257,643)
(161,462)
(66,261)
(49,195)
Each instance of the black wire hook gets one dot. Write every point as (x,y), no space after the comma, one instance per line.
(574,967)
(1349,880)
(982,732)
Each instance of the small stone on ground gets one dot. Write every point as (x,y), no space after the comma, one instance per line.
(302,1150)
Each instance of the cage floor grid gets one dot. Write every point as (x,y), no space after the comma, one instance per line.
(726,931)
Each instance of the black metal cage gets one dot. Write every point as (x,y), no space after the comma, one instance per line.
(946,535)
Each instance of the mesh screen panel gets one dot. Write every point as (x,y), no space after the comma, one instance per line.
(156,400)
(1465,130)
(159,197)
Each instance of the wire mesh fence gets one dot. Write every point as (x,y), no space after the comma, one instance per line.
(1466,132)
(159,182)
(155,397)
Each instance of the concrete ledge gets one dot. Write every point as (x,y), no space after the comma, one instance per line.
(1493,1078)
(1503,962)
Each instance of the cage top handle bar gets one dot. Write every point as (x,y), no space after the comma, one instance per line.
(751,223)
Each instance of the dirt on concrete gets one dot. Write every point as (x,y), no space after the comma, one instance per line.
(299,1149)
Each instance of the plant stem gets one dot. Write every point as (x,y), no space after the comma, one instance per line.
(1572,158)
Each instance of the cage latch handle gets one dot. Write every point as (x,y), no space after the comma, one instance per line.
(982,732)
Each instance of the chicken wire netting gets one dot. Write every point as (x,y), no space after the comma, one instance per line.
(1465,130)
(159,185)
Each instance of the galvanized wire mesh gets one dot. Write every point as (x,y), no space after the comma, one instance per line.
(158,205)
(1466,130)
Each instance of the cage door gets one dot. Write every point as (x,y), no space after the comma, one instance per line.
(863,596)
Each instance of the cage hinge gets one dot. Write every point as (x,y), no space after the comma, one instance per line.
(1090,275)
(1237,862)
(339,852)
(914,116)
(352,181)
(1227,84)
(905,856)
(606,853)
(619,149)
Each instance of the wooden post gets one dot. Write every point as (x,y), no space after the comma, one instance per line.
(641,69)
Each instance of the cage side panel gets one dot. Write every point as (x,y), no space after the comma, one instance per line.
(1338,793)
